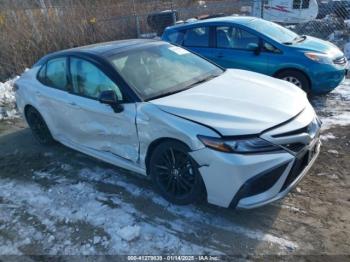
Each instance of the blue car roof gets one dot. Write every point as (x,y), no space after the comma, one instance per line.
(242,20)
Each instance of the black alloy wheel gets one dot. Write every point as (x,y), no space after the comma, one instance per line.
(175,174)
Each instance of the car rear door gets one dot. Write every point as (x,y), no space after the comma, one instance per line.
(94,125)
(234,48)
(51,95)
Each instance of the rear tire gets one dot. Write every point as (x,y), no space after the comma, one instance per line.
(175,174)
(297,78)
(38,127)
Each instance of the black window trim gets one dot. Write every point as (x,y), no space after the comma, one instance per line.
(129,95)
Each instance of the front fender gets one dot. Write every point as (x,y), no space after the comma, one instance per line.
(153,124)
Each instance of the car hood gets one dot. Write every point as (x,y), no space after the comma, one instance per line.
(237,102)
(317,45)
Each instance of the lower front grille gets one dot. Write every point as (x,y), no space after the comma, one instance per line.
(259,183)
(300,163)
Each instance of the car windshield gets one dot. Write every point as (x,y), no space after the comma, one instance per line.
(162,69)
(274,31)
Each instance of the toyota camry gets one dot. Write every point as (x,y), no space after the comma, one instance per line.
(198,131)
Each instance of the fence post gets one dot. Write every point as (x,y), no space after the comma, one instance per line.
(138,31)
(137,19)
(174,14)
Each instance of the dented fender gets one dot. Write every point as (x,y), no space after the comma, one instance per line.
(153,124)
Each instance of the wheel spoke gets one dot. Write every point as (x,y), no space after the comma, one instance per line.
(167,161)
(169,184)
(173,185)
(186,182)
(162,167)
(164,176)
(183,185)
(172,156)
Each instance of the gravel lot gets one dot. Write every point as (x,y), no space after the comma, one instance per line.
(54,200)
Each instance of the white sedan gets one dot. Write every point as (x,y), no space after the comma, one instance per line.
(234,137)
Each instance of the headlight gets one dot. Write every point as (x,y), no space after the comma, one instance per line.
(242,146)
(320,58)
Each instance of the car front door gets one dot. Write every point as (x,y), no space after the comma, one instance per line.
(95,125)
(238,48)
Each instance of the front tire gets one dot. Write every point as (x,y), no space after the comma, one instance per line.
(297,78)
(38,127)
(175,174)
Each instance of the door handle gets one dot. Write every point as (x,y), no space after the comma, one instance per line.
(37,93)
(220,55)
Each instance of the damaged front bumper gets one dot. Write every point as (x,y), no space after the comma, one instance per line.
(250,181)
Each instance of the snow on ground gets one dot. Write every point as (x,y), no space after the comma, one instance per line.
(116,227)
(189,212)
(334,108)
(7,100)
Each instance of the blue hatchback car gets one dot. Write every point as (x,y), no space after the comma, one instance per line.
(258,45)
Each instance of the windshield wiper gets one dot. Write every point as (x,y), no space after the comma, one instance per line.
(202,81)
(183,89)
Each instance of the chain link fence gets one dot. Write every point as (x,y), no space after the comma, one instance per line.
(29,31)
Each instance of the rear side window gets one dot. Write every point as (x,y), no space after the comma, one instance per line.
(56,73)
(197,37)
(176,37)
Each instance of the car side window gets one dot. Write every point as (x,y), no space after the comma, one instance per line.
(176,37)
(235,38)
(225,36)
(90,81)
(56,73)
(196,37)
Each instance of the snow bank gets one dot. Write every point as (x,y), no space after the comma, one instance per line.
(7,100)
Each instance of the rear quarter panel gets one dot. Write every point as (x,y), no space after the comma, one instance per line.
(25,95)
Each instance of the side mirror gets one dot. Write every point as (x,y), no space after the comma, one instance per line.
(110,98)
(254,47)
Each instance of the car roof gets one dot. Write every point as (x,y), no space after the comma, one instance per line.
(242,20)
(103,49)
